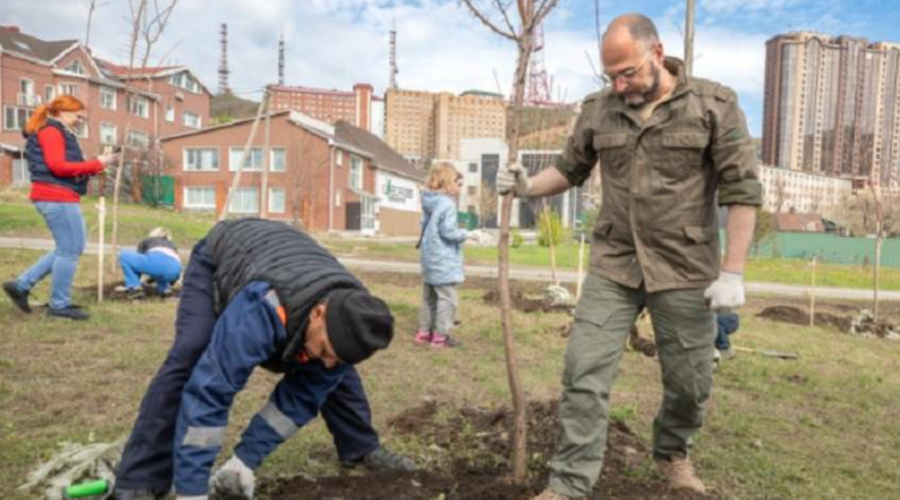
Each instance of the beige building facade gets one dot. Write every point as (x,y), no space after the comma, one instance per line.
(831,106)
(803,192)
(426,127)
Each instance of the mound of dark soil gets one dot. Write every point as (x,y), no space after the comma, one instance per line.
(797,316)
(481,436)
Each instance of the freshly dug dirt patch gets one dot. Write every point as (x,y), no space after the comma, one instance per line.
(475,445)
(797,316)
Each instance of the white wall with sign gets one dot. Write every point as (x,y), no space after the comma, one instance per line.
(397,193)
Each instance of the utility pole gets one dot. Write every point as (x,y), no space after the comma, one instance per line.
(689,39)
(223,60)
(394,70)
(281,60)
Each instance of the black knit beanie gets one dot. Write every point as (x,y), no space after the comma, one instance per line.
(358,324)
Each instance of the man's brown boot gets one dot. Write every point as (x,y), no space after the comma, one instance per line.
(549,494)
(679,472)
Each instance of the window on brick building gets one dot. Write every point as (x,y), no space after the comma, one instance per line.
(14,117)
(139,106)
(356,172)
(201,159)
(107,98)
(68,89)
(203,198)
(276,200)
(245,200)
(191,120)
(138,139)
(253,162)
(277,161)
(170,113)
(75,67)
(108,135)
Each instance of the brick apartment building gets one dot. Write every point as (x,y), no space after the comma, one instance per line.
(152,102)
(325,177)
(426,126)
(359,107)
(832,106)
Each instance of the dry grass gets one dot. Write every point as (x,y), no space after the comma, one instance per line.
(823,427)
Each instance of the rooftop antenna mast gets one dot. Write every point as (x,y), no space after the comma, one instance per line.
(281,59)
(223,61)
(394,69)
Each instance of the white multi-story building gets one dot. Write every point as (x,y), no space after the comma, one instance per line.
(804,192)
(478,163)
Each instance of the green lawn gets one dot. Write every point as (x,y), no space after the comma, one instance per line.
(784,271)
(19,218)
(820,428)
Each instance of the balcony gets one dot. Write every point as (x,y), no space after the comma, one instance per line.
(29,100)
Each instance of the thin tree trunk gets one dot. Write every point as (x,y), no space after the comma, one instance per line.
(550,236)
(520,429)
(114,241)
(236,180)
(101,215)
(879,240)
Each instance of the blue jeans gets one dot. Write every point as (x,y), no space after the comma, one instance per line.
(162,268)
(67,226)
(727,324)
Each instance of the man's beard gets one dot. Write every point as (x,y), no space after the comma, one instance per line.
(638,99)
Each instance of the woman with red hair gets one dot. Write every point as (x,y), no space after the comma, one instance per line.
(59,177)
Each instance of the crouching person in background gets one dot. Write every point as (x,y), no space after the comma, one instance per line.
(257,293)
(157,258)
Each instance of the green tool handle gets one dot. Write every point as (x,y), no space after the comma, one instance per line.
(87,489)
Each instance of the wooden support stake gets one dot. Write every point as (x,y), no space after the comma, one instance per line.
(101,246)
(580,277)
(812,295)
(549,228)
(236,180)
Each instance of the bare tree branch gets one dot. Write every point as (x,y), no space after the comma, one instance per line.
(93,6)
(487,22)
(153,27)
(545,7)
(504,11)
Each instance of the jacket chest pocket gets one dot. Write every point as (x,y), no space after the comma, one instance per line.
(613,154)
(681,153)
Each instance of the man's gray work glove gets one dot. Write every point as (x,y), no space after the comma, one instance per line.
(726,293)
(234,479)
(513,179)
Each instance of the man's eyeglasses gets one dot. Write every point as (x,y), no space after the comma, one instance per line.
(628,74)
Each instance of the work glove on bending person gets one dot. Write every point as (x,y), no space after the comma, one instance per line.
(234,479)
(727,292)
(512,178)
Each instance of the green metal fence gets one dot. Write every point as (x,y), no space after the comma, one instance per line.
(158,190)
(830,248)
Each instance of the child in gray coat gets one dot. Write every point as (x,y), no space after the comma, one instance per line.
(441,256)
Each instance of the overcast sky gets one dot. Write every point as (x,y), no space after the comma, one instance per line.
(336,43)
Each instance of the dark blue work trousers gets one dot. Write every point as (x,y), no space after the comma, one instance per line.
(147,462)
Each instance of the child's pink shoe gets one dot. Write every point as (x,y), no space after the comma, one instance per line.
(422,337)
(444,341)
